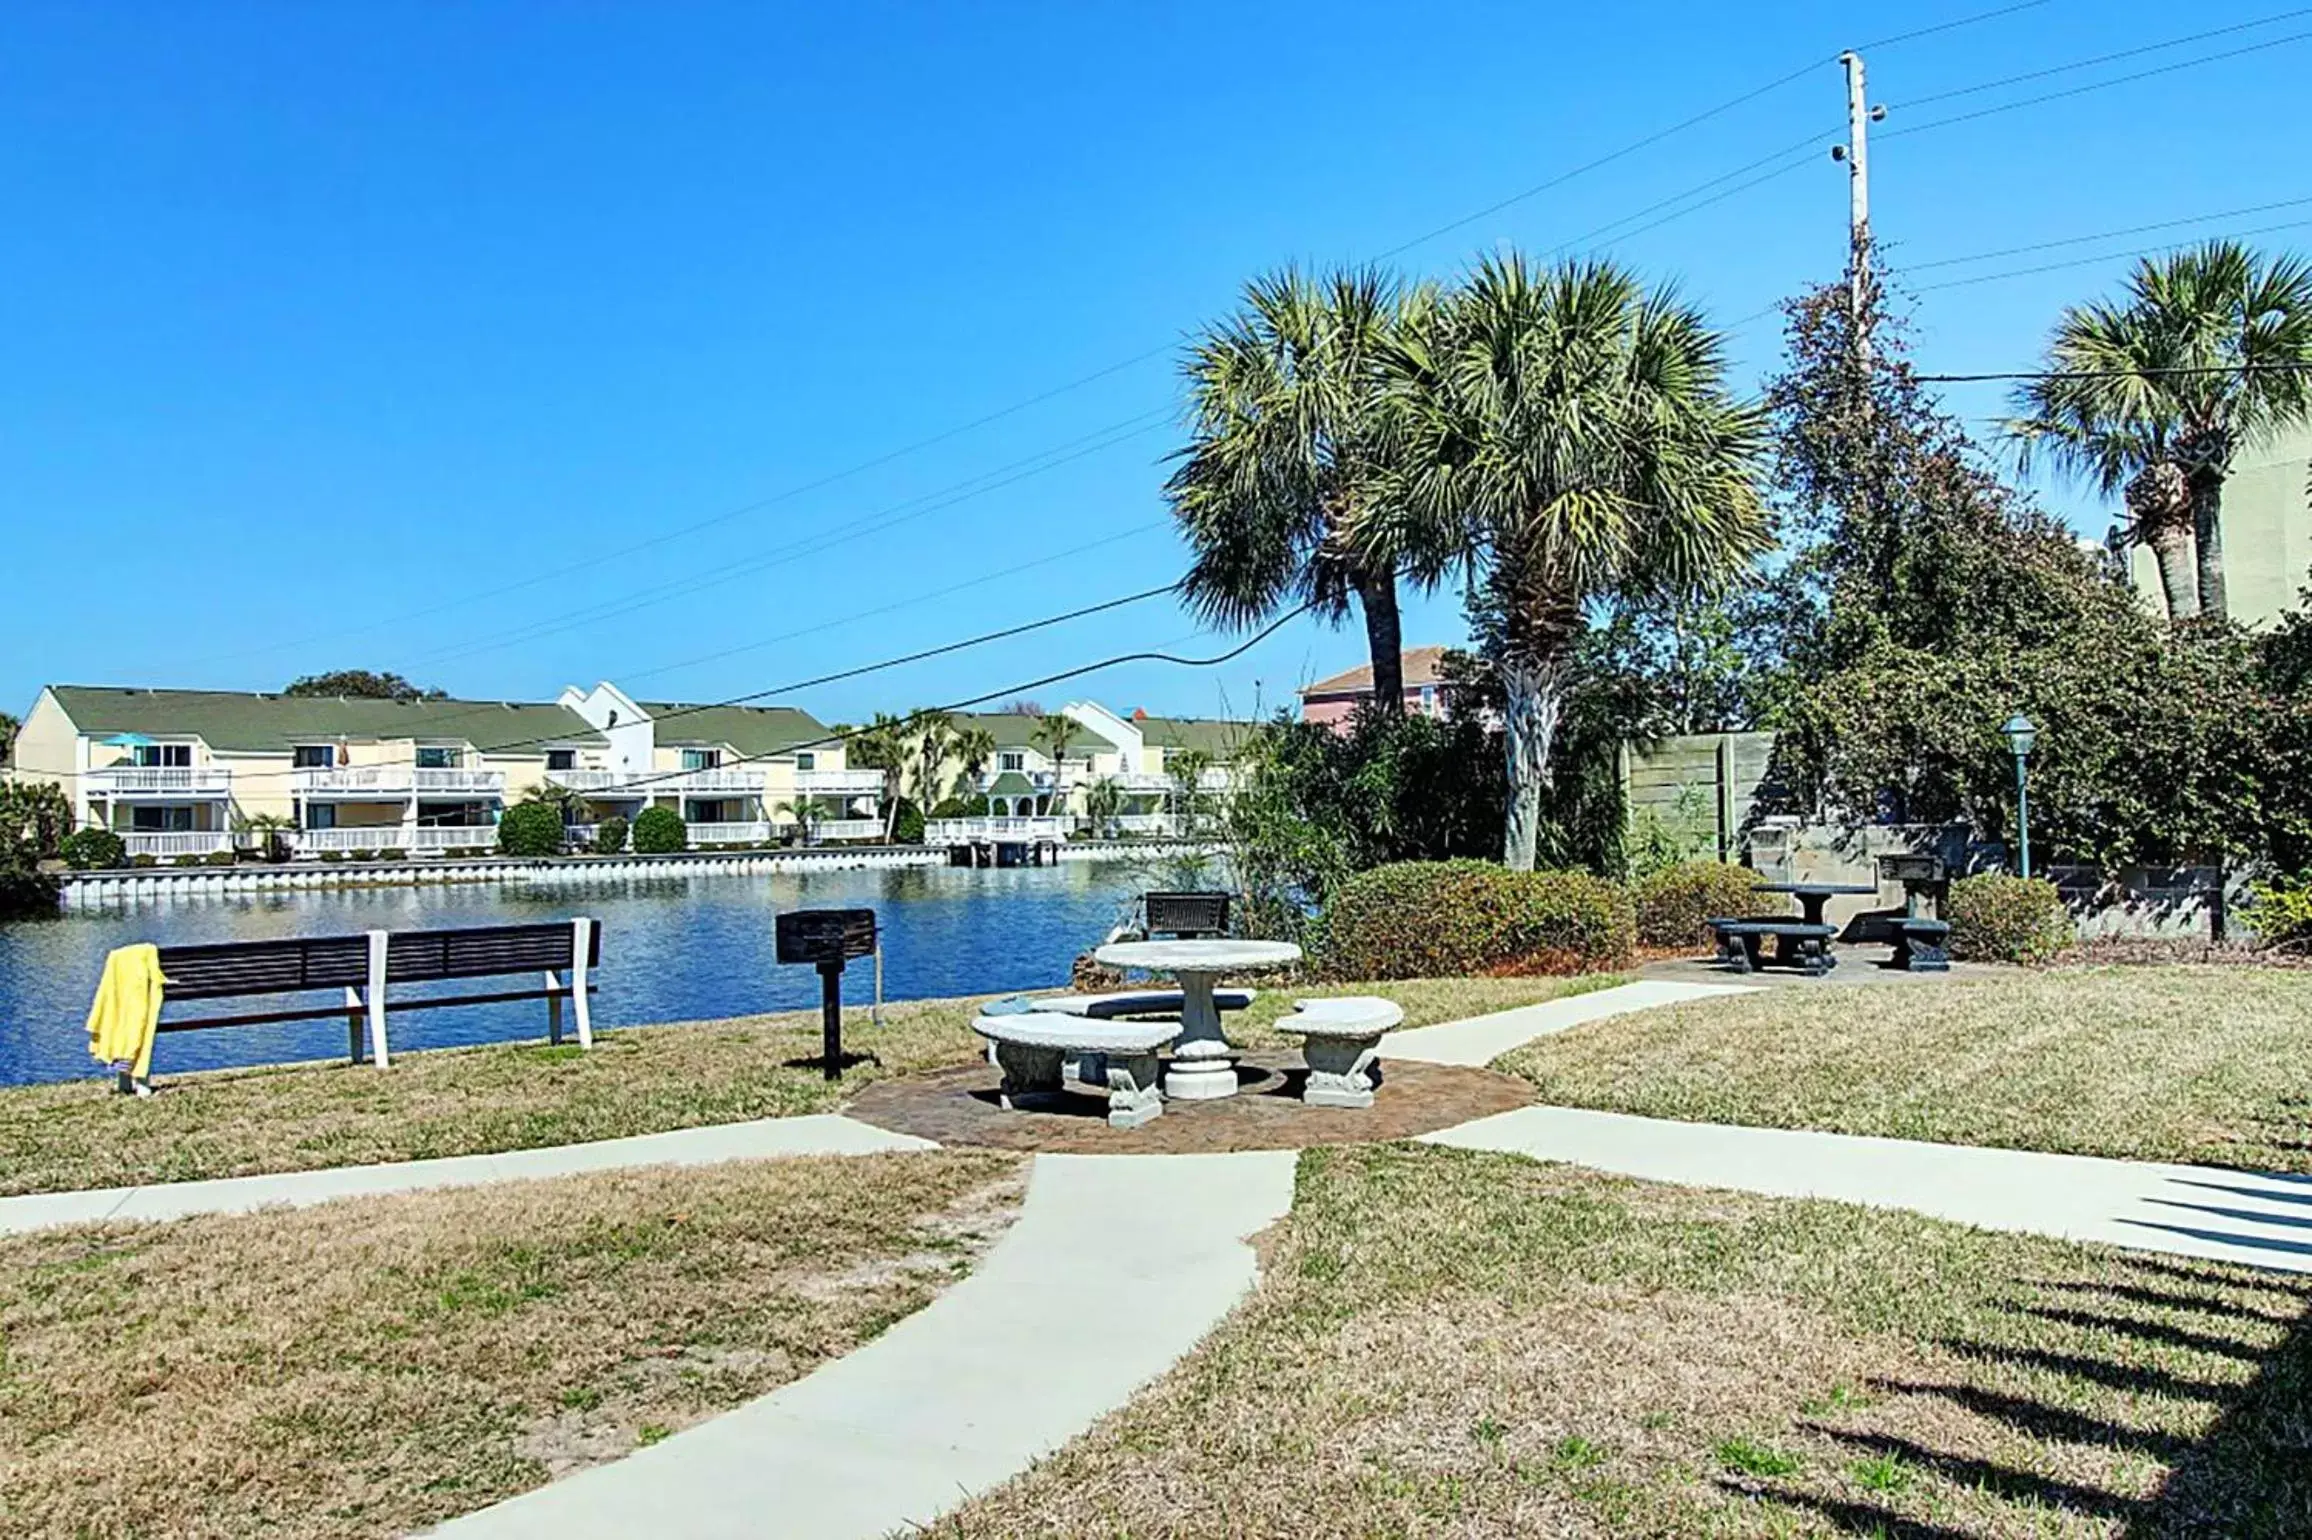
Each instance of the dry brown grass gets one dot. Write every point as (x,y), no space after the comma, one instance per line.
(1448,1345)
(379,1365)
(2210,1064)
(471,1101)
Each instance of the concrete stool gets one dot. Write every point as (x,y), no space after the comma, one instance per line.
(1033,1047)
(1341,1039)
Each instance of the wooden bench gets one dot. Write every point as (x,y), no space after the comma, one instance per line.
(1341,1040)
(1033,1047)
(562,955)
(1796,944)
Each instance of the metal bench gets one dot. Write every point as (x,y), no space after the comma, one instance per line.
(1184,916)
(562,955)
(1741,944)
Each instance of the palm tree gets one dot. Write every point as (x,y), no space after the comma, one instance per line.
(934,738)
(803,812)
(1187,768)
(2209,350)
(1290,453)
(1052,734)
(881,745)
(974,748)
(9,727)
(1103,801)
(1578,431)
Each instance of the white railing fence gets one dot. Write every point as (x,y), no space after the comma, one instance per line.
(963,831)
(198,842)
(198,779)
(847,829)
(729,833)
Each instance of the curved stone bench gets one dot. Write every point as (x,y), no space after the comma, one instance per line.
(1138,1002)
(1032,1049)
(1341,1040)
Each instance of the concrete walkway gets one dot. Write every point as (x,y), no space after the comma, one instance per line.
(819,1134)
(1114,1269)
(2199,1211)
(1482,1039)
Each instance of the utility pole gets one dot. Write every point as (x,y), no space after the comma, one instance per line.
(1856,153)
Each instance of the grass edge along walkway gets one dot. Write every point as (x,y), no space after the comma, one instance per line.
(516,1096)
(1457,1342)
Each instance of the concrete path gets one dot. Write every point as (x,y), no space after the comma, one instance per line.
(2197,1211)
(1482,1039)
(819,1134)
(1114,1269)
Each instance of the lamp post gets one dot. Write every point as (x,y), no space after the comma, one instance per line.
(2021,734)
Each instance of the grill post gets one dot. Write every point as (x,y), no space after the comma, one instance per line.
(831,1017)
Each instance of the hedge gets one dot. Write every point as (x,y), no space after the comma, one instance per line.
(1998,918)
(91,850)
(610,836)
(660,831)
(1435,919)
(1675,903)
(530,829)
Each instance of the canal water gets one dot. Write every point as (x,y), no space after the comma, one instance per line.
(675,949)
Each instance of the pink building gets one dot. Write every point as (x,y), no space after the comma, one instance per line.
(1331,702)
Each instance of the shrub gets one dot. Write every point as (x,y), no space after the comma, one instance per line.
(2281,911)
(89,850)
(185,860)
(143,861)
(908,828)
(961,807)
(220,858)
(361,855)
(393,853)
(610,836)
(1432,919)
(660,831)
(1674,902)
(530,829)
(1998,918)
(333,857)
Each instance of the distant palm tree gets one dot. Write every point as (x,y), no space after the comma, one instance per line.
(1103,801)
(1187,768)
(1052,735)
(803,813)
(934,740)
(1578,432)
(9,728)
(881,745)
(2209,351)
(1290,461)
(974,750)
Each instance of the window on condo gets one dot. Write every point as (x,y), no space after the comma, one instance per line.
(153,756)
(313,756)
(1011,759)
(701,759)
(437,757)
(806,760)
(561,759)
(161,820)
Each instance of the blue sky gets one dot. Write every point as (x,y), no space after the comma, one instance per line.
(328,326)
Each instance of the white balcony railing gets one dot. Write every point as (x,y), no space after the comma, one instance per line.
(729,833)
(440,836)
(199,842)
(696,783)
(964,831)
(1139,823)
(839,783)
(355,781)
(589,780)
(391,836)
(847,829)
(1143,781)
(460,781)
(161,781)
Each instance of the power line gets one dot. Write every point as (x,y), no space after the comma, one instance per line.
(1947,26)
(2108,58)
(2105,235)
(2098,85)
(2112,374)
(2108,256)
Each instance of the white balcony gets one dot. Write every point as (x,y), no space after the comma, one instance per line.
(459,781)
(590,780)
(179,781)
(441,836)
(1143,782)
(390,782)
(704,783)
(839,783)
(391,836)
(1167,824)
(847,829)
(199,842)
(729,833)
(966,831)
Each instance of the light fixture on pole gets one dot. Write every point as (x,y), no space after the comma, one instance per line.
(2021,734)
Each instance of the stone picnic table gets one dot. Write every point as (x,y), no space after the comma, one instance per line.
(1814,896)
(1203,1064)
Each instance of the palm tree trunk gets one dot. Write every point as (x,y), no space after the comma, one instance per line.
(2172,550)
(1535,690)
(1384,639)
(2208,535)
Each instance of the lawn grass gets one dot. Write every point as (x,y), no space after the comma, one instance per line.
(2205,1064)
(1455,1344)
(470,1101)
(371,1367)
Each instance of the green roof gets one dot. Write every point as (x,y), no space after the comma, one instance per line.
(1013,730)
(1011,784)
(1215,737)
(755,731)
(240,722)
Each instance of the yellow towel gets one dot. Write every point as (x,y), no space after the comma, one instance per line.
(128,1007)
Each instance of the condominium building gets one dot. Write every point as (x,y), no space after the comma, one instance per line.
(188,772)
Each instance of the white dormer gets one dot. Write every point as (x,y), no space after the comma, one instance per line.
(633,737)
(1105,724)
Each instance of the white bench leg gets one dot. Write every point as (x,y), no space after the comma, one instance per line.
(1342,1071)
(1027,1069)
(1133,1097)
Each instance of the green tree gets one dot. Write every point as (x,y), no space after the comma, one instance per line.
(1051,735)
(1281,491)
(9,728)
(1103,803)
(974,752)
(530,830)
(660,831)
(35,819)
(934,740)
(2208,350)
(882,745)
(364,684)
(1187,768)
(1578,433)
